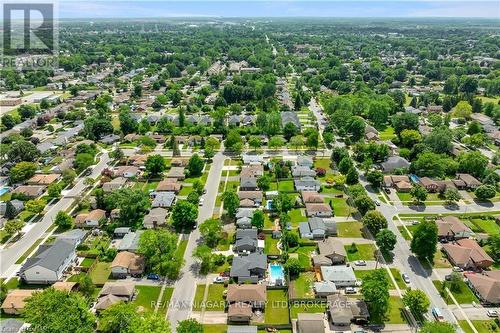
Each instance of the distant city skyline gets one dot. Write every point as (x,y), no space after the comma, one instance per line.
(394,9)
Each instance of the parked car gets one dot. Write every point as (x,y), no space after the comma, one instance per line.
(153,276)
(377,202)
(200,203)
(220,279)
(447,277)
(492,313)
(405,277)
(388,190)
(350,290)
(360,263)
(457,269)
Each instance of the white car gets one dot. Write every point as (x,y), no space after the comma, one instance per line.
(200,203)
(405,277)
(220,279)
(492,313)
(360,263)
(457,269)
(350,290)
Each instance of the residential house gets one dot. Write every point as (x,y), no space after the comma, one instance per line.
(31,191)
(331,252)
(302,171)
(252,171)
(471,183)
(163,199)
(317,228)
(393,163)
(114,184)
(252,159)
(486,286)
(127,264)
(49,262)
(179,162)
(169,185)
(115,292)
(246,241)
(305,161)
(109,139)
(120,232)
(126,171)
(250,268)
(399,183)
(310,323)
(253,294)
(92,219)
(289,117)
(9,325)
(254,196)
(467,254)
(248,183)
(318,210)
(155,218)
(311,197)
(324,288)
(429,184)
(307,184)
(343,310)
(451,228)
(16,300)
(342,276)
(244,223)
(130,242)
(75,236)
(17,204)
(177,173)
(241,329)
(43,179)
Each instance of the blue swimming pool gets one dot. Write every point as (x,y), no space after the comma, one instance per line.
(414,178)
(276,275)
(4,190)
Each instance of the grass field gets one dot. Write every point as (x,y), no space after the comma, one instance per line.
(362,252)
(304,253)
(393,316)
(215,299)
(165,299)
(295,309)
(286,186)
(276,309)
(147,296)
(198,297)
(350,229)
(100,273)
(271,246)
(303,285)
(463,296)
(482,326)
(341,207)
(297,216)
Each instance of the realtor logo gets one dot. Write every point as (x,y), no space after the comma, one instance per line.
(29,34)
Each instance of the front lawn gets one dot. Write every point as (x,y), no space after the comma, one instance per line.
(215,300)
(488,226)
(198,297)
(350,229)
(394,316)
(185,190)
(276,311)
(100,273)
(147,297)
(165,299)
(463,295)
(214,328)
(482,326)
(303,285)
(399,280)
(341,207)
(360,252)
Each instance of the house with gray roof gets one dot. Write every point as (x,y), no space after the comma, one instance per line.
(250,268)
(10,325)
(248,184)
(342,276)
(130,241)
(244,223)
(305,161)
(163,200)
(290,117)
(49,262)
(246,241)
(324,288)
(307,184)
(302,171)
(317,228)
(393,163)
(241,329)
(17,204)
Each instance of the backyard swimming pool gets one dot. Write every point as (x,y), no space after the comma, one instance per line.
(3,190)
(276,275)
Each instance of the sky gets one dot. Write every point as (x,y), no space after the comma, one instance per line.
(277,8)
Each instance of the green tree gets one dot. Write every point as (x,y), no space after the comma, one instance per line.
(473,163)
(23,150)
(437,327)
(22,171)
(12,227)
(195,165)
(35,206)
(386,240)
(312,140)
(410,137)
(258,219)
(405,120)
(375,291)
(189,326)
(54,190)
(282,203)
(439,140)
(462,110)
(424,240)
(211,231)
(159,248)
(10,211)
(118,318)
(155,165)
(231,202)
(352,176)
(83,161)
(417,301)
(255,143)
(52,310)
(276,142)
(375,178)
(132,203)
(127,123)
(293,267)
(485,192)
(364,204)
(85,286)
(374,221)
(418,193)
(234,142)
(264,182)
(63,220)
(452,195)
(184,215)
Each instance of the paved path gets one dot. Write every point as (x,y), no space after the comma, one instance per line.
(185,286)
(10,255)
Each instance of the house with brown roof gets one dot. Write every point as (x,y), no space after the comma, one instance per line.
(179,162)
(470,182)
(429,184)
(467,254)
(115,292)
(252,294)
(127,264)
(114,184)
(255,198)
(311,323)
(343,311)
(31,191)
(399,183)
(92,219)
(177,173)
(331,252)
(126,171)
(451,228)
(15,301)
(254,170)
(137,160)
(311,197)
(318,210)
(485,286)
(43,179)
(169,185)
(155,218)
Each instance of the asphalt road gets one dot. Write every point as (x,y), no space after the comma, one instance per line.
(185,287)
(9,256)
